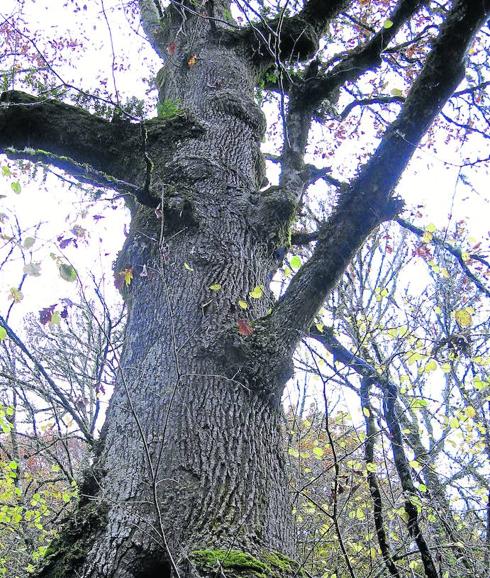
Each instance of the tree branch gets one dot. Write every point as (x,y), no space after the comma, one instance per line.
(454,251)
(361,59)
(296,37)
(64,130)
(151,16)
(369,199)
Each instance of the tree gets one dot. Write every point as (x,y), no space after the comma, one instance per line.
(189,475)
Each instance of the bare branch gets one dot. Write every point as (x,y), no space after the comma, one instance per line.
(369,199)
(454,251)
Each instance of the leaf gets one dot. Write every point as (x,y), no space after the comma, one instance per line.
(244,327)
(55,318)
(295,262)
(387,24)
(454,422)
(3,333)
(188,267)
(128,276)
(67,272)
(366,411)
(215,287)
(470,412)
(256,292)
(431,228)
(463,317)
(371,467)
(33,269)
(396,92)
(15,186)
(171,48)
(28,242)
(46,314)
(242,304)
(192,60)
(6,172)
(318,452)
(16,295)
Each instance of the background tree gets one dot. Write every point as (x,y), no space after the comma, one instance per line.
(190,477)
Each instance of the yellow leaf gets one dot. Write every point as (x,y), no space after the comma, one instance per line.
(431,228)
(192,60)
(366,411)
(128,276)
(242,304)
(215,287)
(256,292)
(188,267)
(470,412)
(463,317)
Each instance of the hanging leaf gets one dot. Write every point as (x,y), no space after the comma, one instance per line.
(33,269)
(15,186)
(257,292)
(46,314)
(128,276)
(67,272)
(3,333)
(215,287)
(463,317)
(16,295)
(244,327)
(55,318)
(28,242)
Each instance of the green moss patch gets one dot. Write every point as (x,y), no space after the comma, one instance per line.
(236,563)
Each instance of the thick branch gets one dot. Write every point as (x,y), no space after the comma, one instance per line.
(369,199)
(307,95)
(362,58)
(64,130)
(296,37)
(151,16)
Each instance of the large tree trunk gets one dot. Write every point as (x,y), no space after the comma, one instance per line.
(191,462)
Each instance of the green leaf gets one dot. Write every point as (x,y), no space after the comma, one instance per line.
(215,287)
(387,24)
(396,92)
(318,452)
(295,262)
(188,267)
(242,304)
(257,292)
(67,272)
(6,172)
(3,333)
(15,186)
(371,467)
(366,411)
(28,242)
(55,318)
